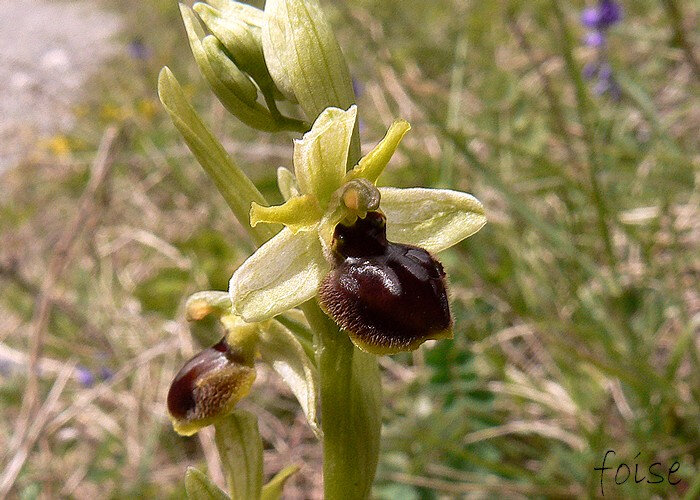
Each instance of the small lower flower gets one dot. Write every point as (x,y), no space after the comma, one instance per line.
(209,386)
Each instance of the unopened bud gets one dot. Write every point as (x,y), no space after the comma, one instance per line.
(238,27)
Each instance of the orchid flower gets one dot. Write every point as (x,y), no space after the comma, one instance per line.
(288,269)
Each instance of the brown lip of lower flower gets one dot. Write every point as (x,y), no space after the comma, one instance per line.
(208,387)
(389,297)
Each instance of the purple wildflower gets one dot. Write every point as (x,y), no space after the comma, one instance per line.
(357,87)
(594,39)
(139,50)
(604,15)
(598,19)
(590,70)
(106,373)
(590,17)
(610,13)
(85,377)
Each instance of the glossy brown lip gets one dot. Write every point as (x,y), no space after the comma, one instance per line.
(390,297)
(181,394)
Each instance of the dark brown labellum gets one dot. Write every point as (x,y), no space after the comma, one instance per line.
(388,296)
(208,386)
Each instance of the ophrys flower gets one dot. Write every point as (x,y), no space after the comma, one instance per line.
(289,269)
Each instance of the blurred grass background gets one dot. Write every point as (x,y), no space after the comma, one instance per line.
(576,308)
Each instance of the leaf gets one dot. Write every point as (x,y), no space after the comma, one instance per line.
(280,348)
(434,219)
(236,188)
(373,164)
(320,157)
(281,274)
(273,489)
(240,448)
(199,487)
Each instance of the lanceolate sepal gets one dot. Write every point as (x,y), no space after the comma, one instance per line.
(236,188)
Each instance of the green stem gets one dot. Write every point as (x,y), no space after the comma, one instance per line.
(350,409)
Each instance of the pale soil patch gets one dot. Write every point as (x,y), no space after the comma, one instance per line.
(47,50)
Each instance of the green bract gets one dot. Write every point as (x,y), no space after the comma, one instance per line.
(288,269)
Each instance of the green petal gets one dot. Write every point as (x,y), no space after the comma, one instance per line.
(320,157)
(202,304)
(232,86)
(239,28)
(374,163)
(298,213)
(281,349)
(281,274)
(434,219)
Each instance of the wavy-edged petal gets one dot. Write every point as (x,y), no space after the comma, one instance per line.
(287,183)
(281,349)
(298,213)
(320,157)
(373,164)
(434,219)
(281,274)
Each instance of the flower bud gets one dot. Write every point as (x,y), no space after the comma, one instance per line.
(209,386)
(388,296)
(304,58)
(238,27)
(233,88)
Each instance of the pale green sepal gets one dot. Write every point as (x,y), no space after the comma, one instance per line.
(199,487)
(304,57)
(281,274)
(298,213)
(239,29)
(287,183)
(320,157)
(280,348)
(229,74)
(240,449)
(236,188)
(373,164)
(249,112)
(239,10)
(273,489)
(434,219)
(202,304)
